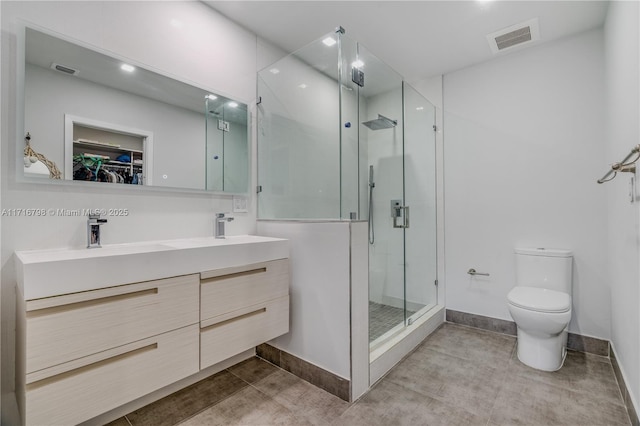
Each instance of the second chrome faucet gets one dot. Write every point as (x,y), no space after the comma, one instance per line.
(221,219)
(93,230)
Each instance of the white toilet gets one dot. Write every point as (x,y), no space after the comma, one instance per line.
(540,305)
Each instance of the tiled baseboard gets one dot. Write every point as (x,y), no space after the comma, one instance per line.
(575,342)
(313,374)
(633,415)
(484,323)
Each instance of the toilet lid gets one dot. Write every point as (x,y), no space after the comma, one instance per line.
(539,299)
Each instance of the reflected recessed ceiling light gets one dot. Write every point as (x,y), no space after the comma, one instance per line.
(303,86)
(419,108)
(127,67)
(232,104)
(274,70)
(211,97)
(357,64)
(329,41)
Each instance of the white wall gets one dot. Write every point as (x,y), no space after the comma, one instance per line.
(320,300)
(523,149)
(622,133)
(141,31)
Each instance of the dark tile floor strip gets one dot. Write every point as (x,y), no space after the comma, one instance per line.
(458,375)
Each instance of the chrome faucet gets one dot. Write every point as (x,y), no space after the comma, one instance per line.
(220,221)
(93,230)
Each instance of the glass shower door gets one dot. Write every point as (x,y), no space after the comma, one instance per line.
(419,170)
(382,192)
(402,196)
(299,135)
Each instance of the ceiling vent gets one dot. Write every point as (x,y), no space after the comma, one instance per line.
(64,69)
(518,35)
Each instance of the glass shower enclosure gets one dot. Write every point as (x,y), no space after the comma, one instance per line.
(341,136)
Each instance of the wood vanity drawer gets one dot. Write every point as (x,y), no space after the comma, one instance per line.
(88,387)
(227,335)
(64,328)
(230,289)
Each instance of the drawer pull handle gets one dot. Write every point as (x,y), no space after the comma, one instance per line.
(88,303)
(234,275)
(238,318)
(88,367)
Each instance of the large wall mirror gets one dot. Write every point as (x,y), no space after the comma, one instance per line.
(106,121)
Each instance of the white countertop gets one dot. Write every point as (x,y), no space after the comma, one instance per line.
(51,272)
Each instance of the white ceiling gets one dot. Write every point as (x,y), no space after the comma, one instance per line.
(419,39)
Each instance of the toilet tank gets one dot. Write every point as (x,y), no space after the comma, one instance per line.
(544,268)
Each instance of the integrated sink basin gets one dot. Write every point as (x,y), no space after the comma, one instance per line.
(212,241)
(56,255)
(46,273)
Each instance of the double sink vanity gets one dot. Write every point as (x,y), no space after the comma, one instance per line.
(99,328)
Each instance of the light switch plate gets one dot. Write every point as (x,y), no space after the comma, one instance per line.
(240,204)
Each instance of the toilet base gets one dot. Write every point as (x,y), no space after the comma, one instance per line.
(542,352)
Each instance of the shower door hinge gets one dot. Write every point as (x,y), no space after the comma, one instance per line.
(258,189)
(435,282)
(435,128)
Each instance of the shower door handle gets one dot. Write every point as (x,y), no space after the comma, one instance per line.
(403,213)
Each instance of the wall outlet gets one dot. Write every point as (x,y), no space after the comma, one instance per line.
(240,204)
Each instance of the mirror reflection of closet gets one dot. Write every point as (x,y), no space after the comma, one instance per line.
(103,156)
(104,152)
(95,87)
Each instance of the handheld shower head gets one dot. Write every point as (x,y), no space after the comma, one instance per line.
(372,184)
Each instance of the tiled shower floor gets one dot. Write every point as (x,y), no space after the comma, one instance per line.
(383,318)
(458,375)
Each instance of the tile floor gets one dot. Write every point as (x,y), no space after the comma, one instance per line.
(383,318)
(457,376)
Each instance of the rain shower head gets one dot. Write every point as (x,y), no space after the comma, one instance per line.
(381,122)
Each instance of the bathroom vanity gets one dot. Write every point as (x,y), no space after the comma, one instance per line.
(97,329)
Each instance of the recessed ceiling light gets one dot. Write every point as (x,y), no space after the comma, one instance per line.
(274,70)
(303,86)
(232,104)
(357,64)
(127,67)
(211,97)
(329,41)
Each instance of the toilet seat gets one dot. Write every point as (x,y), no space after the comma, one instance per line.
(539,299)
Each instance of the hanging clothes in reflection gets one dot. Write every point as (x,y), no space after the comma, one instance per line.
(96,168)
